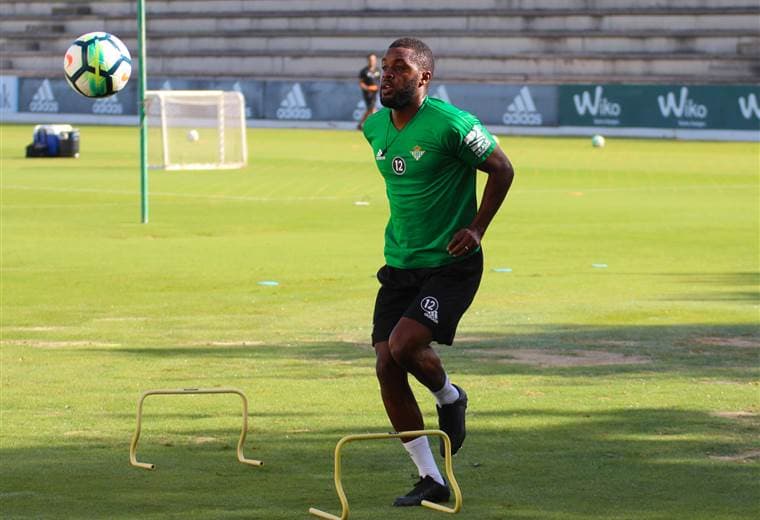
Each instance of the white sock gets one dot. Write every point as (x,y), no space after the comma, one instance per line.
(419,450)
(446,395)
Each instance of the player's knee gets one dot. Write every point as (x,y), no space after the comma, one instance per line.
(386,368)
(400,347)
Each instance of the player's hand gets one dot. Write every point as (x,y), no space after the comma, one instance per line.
(464,241)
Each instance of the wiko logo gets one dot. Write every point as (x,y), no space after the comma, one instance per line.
(749,107)
(599,106)
(44,100)
(109,105)
(442,94)
(294,105)
(522,110)
(683,107)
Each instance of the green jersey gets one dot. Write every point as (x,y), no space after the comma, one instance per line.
(429,170)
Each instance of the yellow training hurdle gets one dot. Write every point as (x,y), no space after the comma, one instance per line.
(184,391)
(400,435)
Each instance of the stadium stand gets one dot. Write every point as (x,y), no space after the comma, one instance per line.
(569,41)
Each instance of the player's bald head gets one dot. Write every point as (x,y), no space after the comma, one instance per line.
(421,54)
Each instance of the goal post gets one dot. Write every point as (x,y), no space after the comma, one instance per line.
(142,84)
(196,129)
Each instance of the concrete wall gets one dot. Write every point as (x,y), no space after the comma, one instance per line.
(651,41)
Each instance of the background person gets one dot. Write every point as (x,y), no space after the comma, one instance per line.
(369,77)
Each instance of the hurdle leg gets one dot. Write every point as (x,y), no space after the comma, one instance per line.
(449,467)
(184,391)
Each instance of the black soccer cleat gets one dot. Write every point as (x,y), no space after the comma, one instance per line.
(451,421)
(425,489)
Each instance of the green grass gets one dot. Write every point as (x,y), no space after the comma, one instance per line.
(97,307)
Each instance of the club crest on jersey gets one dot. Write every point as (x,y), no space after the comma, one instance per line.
(430,307)
(398,165)
(380,155)
(417,153)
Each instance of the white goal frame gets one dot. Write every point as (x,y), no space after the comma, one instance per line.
(160,96)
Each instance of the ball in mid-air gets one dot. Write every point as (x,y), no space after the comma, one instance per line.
(597,141)
(193,136)
(97,65)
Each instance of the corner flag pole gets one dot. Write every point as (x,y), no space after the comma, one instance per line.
(141,88)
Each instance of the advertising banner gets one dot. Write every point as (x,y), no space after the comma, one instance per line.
(661,106)
(54,96)
(599,105)
(252,90)
(312,101)
(507,105)
(550,107)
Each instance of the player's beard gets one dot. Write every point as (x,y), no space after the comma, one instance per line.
(401,97)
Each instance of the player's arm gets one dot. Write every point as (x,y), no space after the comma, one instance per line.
(500,175)
(367,87)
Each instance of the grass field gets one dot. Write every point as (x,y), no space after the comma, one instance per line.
(622,392)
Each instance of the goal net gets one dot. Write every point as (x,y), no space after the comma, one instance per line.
(195,129)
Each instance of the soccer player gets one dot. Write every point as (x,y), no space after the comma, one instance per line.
(428,152)
(369,77)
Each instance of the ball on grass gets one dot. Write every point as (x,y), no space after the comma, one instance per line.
(597,141)
(193,136)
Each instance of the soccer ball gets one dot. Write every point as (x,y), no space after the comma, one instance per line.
(597,141)
(97,65)
(193,136)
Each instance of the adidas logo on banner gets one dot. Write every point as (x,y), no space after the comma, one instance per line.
(441,93)
(44,100)
(167,85)
(748,106)
(109,105)
(294,105)
(522,110)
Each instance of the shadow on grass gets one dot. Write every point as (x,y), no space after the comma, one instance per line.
(717,285)
(749,281)
(620,463)
(731,350)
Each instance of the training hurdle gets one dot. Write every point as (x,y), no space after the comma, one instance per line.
(186,391)
(393,435)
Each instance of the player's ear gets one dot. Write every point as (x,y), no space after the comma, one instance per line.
(425,78)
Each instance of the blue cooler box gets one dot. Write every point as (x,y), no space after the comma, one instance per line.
(54,141)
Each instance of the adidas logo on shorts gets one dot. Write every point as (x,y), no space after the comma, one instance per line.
(430,307)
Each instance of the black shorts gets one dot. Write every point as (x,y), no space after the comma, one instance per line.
(369,98)
(436,297)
